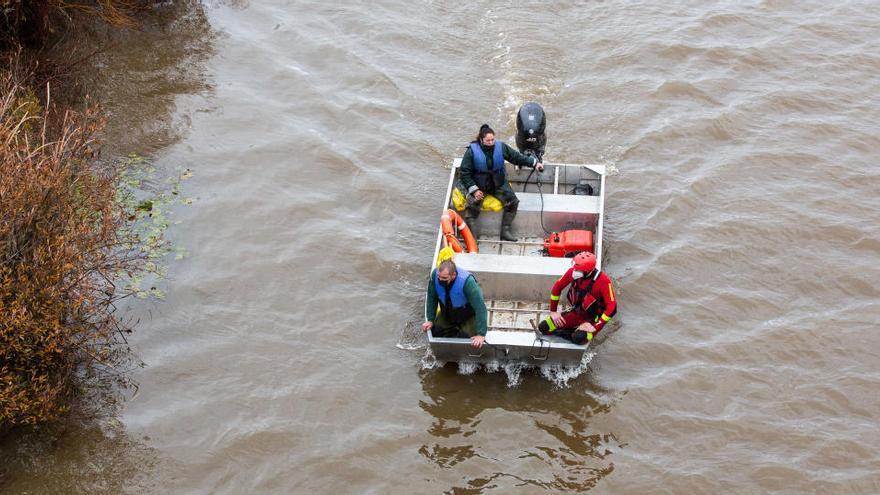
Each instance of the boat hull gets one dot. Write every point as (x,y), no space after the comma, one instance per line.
(510,347)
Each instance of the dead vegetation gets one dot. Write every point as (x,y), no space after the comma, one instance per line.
(33,22)
(68,241)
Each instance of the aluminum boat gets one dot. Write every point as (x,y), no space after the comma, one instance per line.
(516,277)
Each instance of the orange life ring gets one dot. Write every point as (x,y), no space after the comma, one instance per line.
(446,221)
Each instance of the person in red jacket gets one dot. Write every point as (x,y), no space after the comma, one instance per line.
(591,297)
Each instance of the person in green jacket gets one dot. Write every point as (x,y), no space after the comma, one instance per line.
(482,172)
(463,311)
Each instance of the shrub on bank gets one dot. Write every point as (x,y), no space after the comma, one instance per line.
(31,22)
(66,244)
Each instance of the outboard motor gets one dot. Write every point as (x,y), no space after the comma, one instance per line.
(530,136)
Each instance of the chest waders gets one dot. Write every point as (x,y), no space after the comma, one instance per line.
(453,302)
(493,181)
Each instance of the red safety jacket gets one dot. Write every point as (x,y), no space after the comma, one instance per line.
(593,297)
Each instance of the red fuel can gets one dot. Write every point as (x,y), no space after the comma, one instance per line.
(568,243)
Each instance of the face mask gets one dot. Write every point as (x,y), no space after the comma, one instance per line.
(577,274)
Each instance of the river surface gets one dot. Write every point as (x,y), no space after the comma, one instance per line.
(742,231)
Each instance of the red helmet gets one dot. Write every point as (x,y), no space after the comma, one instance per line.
(584,261)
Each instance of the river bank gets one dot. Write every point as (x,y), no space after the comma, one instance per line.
(71,131)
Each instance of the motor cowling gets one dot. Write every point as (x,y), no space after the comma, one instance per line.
(530,136)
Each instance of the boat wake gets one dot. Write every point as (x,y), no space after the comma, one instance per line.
(559,375)
(562,375)
(412,337)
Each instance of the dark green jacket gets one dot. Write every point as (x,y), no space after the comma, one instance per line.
(474,296)
(466,172)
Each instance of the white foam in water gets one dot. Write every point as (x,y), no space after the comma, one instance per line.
(429,361)
(513,370)
(410,346)
(561,375)
(514,373)
(467,368)
(492,367)
(412,338)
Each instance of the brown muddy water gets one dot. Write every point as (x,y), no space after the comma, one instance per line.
(742,230)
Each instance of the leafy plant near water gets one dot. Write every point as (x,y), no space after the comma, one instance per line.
(75,239)
(149,201)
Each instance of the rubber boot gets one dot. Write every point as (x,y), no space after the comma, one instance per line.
(507,225)
(470,218)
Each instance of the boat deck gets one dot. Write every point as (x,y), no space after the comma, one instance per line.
(515,316)
(531,246)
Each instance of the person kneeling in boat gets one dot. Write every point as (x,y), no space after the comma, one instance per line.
(591,297)
(482,172)
(462,308)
